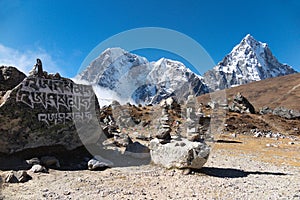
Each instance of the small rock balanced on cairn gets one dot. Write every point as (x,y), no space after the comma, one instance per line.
(164,130)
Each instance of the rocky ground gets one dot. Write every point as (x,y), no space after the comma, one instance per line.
(244,167)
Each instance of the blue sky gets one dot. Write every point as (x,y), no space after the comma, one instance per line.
(63,32)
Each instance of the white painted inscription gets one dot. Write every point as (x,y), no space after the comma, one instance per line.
(70,100)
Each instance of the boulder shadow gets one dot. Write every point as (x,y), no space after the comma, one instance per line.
(228,141)
(233,173)
(70,160)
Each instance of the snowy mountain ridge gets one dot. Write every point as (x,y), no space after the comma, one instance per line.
(133,78)
(136,79)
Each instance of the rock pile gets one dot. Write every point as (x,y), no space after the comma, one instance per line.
(164,130)
(191,124)
(241,105)
(184,152)
(267,134)
(281,112)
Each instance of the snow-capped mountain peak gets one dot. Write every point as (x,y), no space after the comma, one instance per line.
(248,61)
(134,78)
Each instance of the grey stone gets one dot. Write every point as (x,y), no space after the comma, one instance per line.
(163,133)
(98,162)
(11,178)
(265,110)
(258,134)
(122,140)
(179,154)
(50,161)
(22,176)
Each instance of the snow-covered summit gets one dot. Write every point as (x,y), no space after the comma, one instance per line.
(134,78)
(249,61)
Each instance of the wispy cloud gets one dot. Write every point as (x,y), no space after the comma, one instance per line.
(25,60)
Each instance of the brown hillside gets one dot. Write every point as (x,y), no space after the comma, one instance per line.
(281,91)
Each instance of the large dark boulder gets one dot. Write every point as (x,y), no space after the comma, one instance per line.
(41,112)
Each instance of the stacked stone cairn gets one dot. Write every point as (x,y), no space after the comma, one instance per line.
(164,129)
(191,125)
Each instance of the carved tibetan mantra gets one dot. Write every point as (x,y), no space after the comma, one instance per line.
(64,100)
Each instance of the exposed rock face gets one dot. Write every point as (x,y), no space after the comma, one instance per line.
(241,105)
(179,154)
(42,112)
(10,77)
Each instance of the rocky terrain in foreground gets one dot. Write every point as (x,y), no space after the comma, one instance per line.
(238,168)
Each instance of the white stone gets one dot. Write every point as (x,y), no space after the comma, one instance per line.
(179,154)
(98,162)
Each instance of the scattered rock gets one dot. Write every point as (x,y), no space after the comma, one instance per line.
(286,113)
(67,192)
(22,176)
(33,161)
(281,112)
(291,143)
(38,168)
(179,154)
(271,145)
(268,134)
(17,177)
(122,140)
(265,110)
(49,161)
(186,171)
(99,163)
(11,178)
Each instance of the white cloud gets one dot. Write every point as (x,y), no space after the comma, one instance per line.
(25,60)
(105,96)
